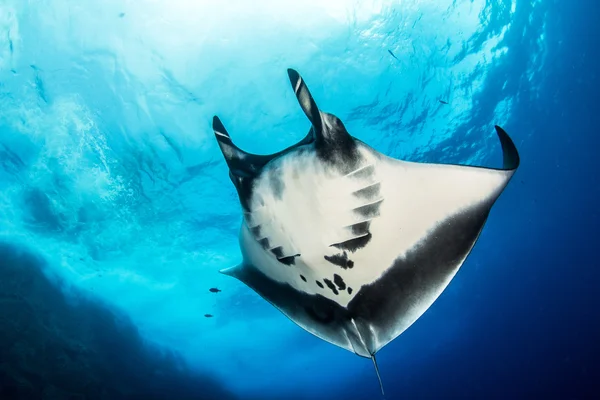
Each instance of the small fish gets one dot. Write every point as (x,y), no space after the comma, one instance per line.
(215,290)
(121,15)
(392,54)
(443,102)
(208,315)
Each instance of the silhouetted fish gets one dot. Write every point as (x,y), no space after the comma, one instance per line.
(392,54)
(208,315)
(443,102)
(215,290)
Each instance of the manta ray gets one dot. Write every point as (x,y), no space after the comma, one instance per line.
(350,244)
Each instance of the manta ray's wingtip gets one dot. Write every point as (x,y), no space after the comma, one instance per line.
(511,158)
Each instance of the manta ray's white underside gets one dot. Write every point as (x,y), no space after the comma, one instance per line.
(316,207)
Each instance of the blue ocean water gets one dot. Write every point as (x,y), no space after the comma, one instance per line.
(116,211)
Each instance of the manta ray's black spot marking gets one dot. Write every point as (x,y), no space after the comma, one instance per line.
(349,290)
(331,286)
(319,284)
(302,277)
(369,210)
(369,192)
(340,260)
(276,183)
(339,282)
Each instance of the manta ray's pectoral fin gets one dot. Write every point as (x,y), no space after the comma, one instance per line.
(332,141)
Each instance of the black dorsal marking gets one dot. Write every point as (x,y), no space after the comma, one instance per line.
(302,277)
(319,284)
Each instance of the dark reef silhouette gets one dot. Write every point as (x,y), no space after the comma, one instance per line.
(59,346)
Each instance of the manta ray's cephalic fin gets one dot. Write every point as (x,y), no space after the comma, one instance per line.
(333,143)
(244,166)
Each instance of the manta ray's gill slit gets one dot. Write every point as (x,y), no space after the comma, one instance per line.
(368,192)
(370,210)
(362,172)
(264,242)
(353,245)
(277,251)
(255,230)
(360,229)
(256,217)
(289,260)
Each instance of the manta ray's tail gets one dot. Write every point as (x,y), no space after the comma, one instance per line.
(377,371)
